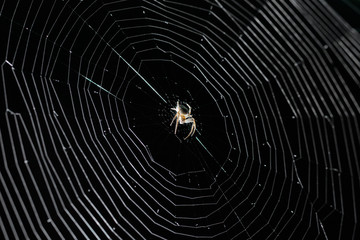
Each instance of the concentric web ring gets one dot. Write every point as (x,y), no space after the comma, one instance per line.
(87,148)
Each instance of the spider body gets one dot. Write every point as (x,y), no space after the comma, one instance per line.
(183,115)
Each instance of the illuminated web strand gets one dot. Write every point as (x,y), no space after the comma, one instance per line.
(99,86)
(204,147)
(129,65)
(140,76)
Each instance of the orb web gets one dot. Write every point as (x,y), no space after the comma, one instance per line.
(85,137)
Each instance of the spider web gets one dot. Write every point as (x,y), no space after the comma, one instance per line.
(87,148)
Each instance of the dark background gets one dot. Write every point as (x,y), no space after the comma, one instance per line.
(88,150)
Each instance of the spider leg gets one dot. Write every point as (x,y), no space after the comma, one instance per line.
(188,135)
(193,127)
(189,109)
(177,123)
(173,119)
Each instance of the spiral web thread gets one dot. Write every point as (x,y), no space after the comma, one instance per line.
(86,92)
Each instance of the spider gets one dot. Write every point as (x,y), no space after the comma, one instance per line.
(183,116)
